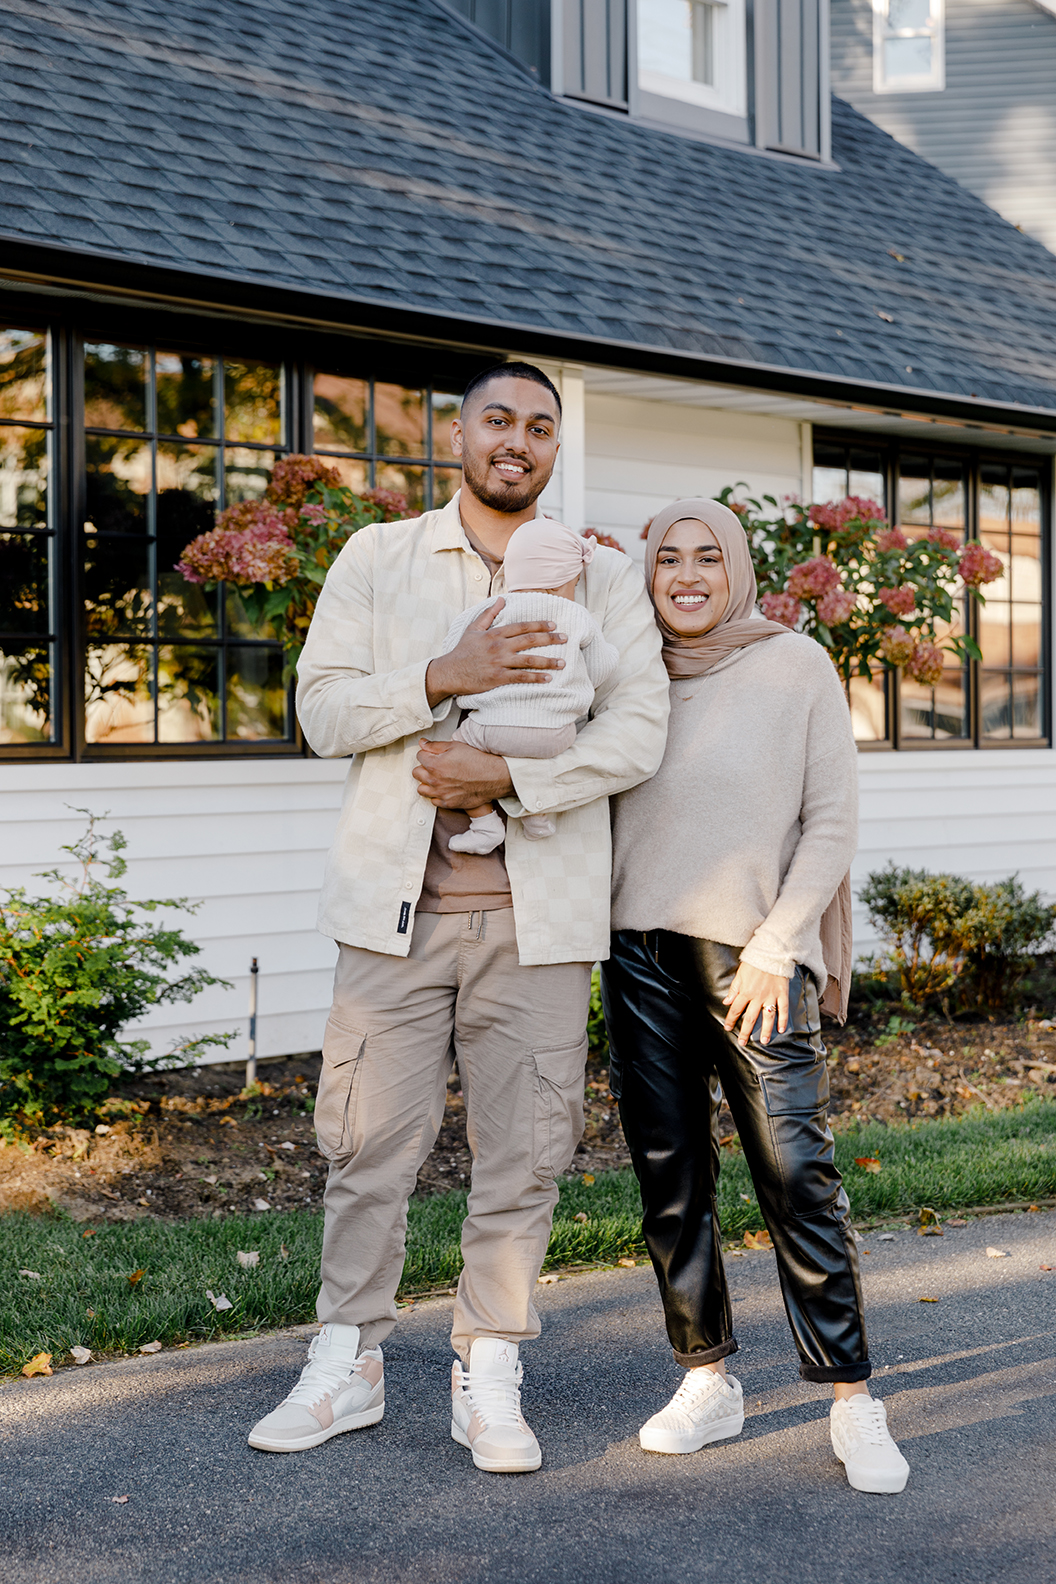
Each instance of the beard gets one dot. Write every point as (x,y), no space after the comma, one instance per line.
(501,496)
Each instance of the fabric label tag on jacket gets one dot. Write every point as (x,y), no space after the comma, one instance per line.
(405,914)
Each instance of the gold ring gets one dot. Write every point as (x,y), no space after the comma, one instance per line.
(771,1008)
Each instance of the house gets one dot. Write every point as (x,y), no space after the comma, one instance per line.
(968,84)
(233,230)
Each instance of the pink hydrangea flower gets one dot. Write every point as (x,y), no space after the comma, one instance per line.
(891,539)
(979,565)
(897,646)
(926,664)
(837,514)
(783,608)
(836,606)
(948,538)
(261,551)
(811,579)
(313,515)
(899,601)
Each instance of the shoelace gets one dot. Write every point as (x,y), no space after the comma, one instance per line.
(869,1421)
(497,1401)
(319,1377)
(691,1391)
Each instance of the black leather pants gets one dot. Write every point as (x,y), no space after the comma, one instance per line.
(669,1055)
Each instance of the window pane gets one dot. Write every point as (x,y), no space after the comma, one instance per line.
(24,565)
(409,481)
(355,474)
(399,420)
(914,492)
(23,478)
(246,473)
(949,496)
(25,695)
(909,13)
(994,632)
(675,39)
(1026,635)
(185,610)
(117,485)
(940,713)
(341,415)
(188,488)
(1026,706)
(23,374)
(115,387)
(993,507)
(118,703)
(445,410)
(188,694)
(252,402)
(117,600)
(907,57)
(868,701)
(995,705)
(445,482)
(186,394)
(830,484)
(238,624)
(257,701)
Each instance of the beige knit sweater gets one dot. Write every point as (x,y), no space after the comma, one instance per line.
(751,822)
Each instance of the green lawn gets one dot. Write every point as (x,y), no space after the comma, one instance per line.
(83,1294)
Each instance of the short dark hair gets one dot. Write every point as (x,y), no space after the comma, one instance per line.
(524,371)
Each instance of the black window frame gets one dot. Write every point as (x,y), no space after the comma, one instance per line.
(973,457)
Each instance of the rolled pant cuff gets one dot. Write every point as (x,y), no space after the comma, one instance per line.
(706,1355)
(829,1373)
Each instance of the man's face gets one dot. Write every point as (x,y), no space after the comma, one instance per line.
(507,439)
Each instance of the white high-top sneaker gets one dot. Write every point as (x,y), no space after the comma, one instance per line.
(706,1407)
(486,1409)
(337,1391)
(863,1444)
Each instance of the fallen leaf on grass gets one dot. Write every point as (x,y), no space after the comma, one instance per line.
(928,1216)
(957,1221)
(261,1204)
(284,1252)
(90,1232)
(727,1141)
(996,1253)
(151,1347)
(121,1500)
(868,1163)
(581,1216)
(80,1355)
(228,1122)
(145,1202)
(927,1300)
(628,1264)
(40,1364)
(546,1281)
(136,1277)
(248,1258)
(223,1302)
(210,1180)
(588,1178)
(747,1198)
(287,1145)
(930,1231)
(1035,1207)
(758,1240)
(34,1274)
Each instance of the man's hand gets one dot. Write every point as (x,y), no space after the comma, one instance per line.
(753,992)
(453,775)
(487,657)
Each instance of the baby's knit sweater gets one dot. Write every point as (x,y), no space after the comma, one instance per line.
(589,661)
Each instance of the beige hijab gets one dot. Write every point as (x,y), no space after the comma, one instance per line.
(736,628)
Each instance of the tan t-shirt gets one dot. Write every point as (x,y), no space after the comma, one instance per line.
(457,882)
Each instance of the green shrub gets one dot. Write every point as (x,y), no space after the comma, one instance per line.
(948,939)
(76,967)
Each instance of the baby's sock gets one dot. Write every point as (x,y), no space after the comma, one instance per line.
(483,836)
(538,826)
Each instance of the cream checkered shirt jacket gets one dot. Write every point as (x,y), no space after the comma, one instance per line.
(383,613)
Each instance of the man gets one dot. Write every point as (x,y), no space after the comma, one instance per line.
(447,957)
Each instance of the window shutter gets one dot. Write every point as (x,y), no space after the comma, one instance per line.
(595,51)
(791,38)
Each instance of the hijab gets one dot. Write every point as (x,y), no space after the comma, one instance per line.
(737,626)
(693,657)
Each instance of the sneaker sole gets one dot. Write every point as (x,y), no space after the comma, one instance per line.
(872,1482)
(357,1421)
(496,1465)
(670,1441)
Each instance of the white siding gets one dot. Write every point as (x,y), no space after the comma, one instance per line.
(245,838)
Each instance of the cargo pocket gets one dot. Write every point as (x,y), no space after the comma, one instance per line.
(559,1072)
(335,1105)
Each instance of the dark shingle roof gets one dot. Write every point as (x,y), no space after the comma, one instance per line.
(376,150)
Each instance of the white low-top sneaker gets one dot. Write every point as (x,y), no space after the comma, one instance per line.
(339,1389)
(863,1444)
(706,1407)
(486,1409)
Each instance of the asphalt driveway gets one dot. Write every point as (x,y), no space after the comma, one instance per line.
(970,1383)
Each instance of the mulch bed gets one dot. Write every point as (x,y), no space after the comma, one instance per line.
(188,1143)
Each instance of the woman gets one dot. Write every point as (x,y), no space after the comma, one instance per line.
(724,865)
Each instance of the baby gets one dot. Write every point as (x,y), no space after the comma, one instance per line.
(534,720)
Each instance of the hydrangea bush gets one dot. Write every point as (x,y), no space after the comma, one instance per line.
(861,587)
(277,551)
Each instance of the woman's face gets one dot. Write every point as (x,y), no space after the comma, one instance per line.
(690,586)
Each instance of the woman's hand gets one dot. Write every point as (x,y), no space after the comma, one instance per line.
(752,992)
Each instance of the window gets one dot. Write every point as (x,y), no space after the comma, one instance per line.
(27,539)
(170,438)
(693,50)
(1003,698)
(382,436)
(908,46)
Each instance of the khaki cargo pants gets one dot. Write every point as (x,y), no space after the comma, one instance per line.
(397,1027)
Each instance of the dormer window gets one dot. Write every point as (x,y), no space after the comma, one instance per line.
(693,51)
